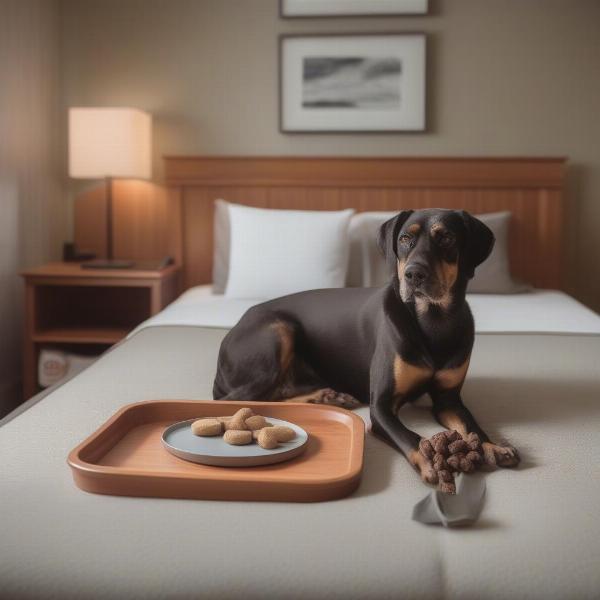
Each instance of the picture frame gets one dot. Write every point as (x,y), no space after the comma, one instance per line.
(352,83)
(292,9)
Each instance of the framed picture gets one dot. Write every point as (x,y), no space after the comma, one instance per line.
(351,8)
(352,82)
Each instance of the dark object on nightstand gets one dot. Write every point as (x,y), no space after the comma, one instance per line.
(101,263)
(140,265)
(71,254)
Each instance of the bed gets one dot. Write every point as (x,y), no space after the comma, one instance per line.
(534,377)
(537,312)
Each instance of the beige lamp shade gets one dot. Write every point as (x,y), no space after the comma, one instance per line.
(110,142)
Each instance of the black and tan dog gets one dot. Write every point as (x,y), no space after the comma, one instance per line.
(382,346)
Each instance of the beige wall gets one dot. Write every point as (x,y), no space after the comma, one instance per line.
(33,208)
(508,77)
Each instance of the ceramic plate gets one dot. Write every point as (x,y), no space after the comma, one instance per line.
(179,440)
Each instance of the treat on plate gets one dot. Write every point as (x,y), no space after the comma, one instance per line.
(267,438)
(255,422)
(207,427)
(243,428)
(238,421)
(238,437)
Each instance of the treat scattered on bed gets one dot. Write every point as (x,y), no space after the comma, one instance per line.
(450,453)
(243,428)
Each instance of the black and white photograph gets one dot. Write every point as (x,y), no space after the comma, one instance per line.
(351,82)
(351,8)
(367,82)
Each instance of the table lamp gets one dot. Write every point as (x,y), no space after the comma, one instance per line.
(108,143)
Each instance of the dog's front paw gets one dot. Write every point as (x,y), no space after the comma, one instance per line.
(424,466)
(333,398)
(500,456)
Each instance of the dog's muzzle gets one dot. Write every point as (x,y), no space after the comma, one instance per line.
(416,275)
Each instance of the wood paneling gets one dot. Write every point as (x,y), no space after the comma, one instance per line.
(178,219)
(89,221)
(384,172)
(147,220)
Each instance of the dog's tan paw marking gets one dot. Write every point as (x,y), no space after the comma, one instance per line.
(500,456)
(333,398)
(424,466)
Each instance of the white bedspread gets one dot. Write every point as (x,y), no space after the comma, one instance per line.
(541,311)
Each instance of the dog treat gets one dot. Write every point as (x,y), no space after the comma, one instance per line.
(474,457)
(445,475)
(439,462)
(440,443)
(448,487)
(450,453)
(257,431)
(454,462)
(282,433)
(267,438)
(466,466)
(458,446)
(238,421)
(244,427)
(256,422)
(452,436)
(238,437)
(207,427)
(426,448)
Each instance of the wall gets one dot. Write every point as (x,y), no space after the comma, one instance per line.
(33,209)
(504,78)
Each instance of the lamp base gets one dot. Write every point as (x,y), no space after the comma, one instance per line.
(108,264)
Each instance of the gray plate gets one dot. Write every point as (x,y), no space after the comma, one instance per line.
(179,440)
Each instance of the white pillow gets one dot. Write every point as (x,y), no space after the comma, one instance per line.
(277,252)
(220,270)
(368,268)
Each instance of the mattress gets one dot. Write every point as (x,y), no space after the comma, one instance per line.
(538,537)
(540,311)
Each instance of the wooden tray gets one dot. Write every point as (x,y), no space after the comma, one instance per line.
(125,456)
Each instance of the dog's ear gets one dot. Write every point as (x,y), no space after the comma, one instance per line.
(479,243)
(387,239)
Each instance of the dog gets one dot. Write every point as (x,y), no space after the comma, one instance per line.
(378,346)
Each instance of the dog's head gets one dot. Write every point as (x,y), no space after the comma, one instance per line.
(434,253)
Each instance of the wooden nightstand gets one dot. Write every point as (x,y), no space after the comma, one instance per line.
(87,310)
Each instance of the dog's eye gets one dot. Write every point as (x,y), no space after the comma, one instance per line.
(446,240)
(405,239)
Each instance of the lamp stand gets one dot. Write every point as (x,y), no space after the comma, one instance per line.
(109,218)
(110,262)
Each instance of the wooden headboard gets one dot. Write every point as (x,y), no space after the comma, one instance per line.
(177,218)
(531,188)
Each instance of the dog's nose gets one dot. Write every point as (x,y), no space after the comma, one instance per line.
(416,274)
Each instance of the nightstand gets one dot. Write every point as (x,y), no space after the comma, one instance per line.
(87,310)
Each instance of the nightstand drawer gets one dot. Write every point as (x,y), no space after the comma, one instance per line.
(93,307)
